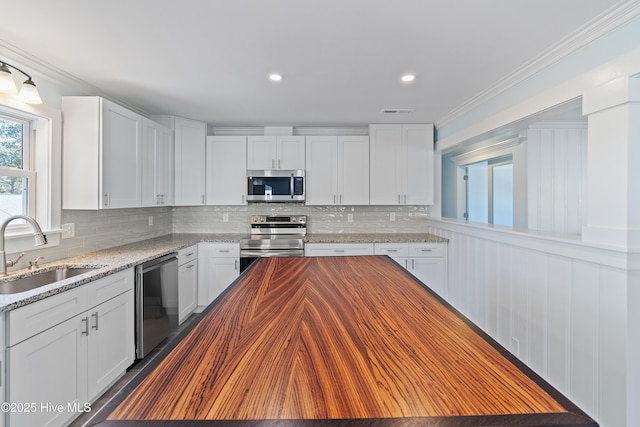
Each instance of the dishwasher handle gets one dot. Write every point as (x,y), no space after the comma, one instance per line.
(150,265)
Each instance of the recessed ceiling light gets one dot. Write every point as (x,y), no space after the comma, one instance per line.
(275,77)
(408,78)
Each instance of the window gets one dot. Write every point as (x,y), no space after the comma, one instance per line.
(17,175)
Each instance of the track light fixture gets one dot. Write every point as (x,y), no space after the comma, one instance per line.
(28,91)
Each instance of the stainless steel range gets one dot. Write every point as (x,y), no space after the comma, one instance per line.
(273,236)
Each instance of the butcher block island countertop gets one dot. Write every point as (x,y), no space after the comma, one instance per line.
(337,341)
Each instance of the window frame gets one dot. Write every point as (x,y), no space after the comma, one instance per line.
(28,166)
(45,157)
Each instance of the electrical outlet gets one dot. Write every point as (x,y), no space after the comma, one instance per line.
(392,216)
(150,220)
(515,346)
(350,217)
(68,230)
(225,217)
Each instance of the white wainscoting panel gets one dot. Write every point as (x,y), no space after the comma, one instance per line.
(557,310)
(556,176)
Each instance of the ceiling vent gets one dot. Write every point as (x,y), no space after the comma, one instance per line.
(398,110)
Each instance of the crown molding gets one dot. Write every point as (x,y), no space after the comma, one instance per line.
(618,15)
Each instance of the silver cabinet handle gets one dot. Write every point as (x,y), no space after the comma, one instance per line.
(392,250)
(203,199)
(413,264)
(189,254)
(235,265)
(273,163)
(278,163)
(405,199)
(399,199)
(107,199)
(86,326)
(340,199)
(95,326)
(338,251)
(224,251)
(426,250)
(190,266)
(334,199)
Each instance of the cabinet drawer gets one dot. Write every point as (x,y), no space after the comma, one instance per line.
(187,254)
(222,250)
(338,249)
(426,250)
(394,250)
(30,320)
(108,287)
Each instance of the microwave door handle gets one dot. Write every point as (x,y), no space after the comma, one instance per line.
(291,186)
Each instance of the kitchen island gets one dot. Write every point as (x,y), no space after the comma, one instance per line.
(336,341)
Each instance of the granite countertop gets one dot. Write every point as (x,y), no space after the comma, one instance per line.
(375,238)
(112,260)
(106,261)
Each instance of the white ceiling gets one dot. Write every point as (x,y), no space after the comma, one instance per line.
(341,59)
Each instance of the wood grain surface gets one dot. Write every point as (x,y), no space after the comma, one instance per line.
(334,338)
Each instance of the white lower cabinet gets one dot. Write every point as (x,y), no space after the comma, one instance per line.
(338,249)
(426,261)
(187,282)
(218,267)
(58,363)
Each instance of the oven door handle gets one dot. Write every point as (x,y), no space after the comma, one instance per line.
(291,186)
(271,253)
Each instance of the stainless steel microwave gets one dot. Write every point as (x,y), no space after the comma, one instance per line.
(275,185)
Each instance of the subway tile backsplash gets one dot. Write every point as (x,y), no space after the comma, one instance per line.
(321,219)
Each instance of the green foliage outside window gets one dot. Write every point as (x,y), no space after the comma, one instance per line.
(11,154)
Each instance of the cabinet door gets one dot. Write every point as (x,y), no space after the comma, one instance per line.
(353,170)
(431,272)
(386,164)
(261,152)
(219,273)
(49,368)
(322,170)
(226,170)
(189,139)
(111,342)
(164,171)
(290,152)
(218,266)
(187,289)
(418,155)
(121,158)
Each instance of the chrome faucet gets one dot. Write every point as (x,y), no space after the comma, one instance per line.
(41,239)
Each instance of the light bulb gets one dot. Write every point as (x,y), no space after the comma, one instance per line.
(6,80)
(29,93)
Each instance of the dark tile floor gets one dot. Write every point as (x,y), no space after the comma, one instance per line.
(84,419)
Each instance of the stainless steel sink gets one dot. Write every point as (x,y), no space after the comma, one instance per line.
(23,284)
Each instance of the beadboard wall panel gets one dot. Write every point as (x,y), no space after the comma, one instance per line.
(556,176)
(565,316)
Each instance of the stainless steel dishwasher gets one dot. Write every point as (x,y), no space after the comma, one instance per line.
(156,302)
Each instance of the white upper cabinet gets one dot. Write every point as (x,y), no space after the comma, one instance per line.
(102,154)
(157,164)
(401,164)
(275,152)
(337,170)
(226,170)
(190,176)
